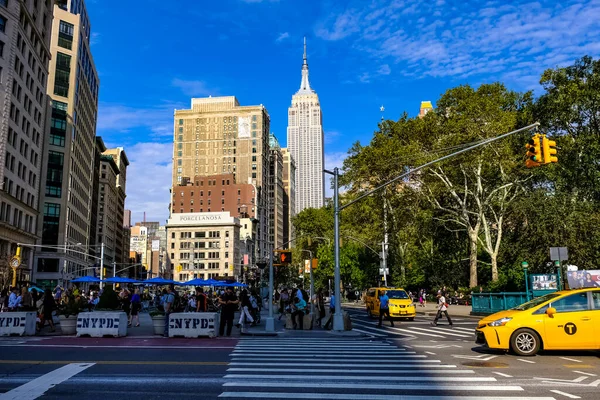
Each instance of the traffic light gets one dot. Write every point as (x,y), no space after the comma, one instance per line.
(285,257)
(549,150)
(534,151)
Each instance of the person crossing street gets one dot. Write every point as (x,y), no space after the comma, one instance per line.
(384,308)
(442,308)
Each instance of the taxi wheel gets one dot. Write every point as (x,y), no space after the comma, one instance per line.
(525,342)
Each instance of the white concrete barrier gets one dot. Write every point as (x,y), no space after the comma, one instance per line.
(193,325)
(17,323)
(102,323)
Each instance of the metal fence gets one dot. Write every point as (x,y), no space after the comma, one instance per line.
(489,303)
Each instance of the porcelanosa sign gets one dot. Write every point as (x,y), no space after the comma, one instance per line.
(216,218)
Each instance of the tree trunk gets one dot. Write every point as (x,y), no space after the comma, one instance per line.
(473,257)
(494,257)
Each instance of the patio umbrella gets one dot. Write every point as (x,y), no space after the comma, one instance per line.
(118,279)
(195,282)
(212,282)
(86,279)
(238,284)
(37,289)
(158,281)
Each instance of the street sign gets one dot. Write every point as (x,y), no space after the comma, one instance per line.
(387,271)
(559,254)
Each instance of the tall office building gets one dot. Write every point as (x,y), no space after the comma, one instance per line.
(121,245)
(218,136)
(305,143)
(289,195)
(67,179)
(276,194)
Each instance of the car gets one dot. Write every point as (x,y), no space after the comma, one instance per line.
(562,320)
(401,305)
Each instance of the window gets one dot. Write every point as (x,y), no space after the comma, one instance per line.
(65,35)
(63,71)
(180,122)
(1,47)
(2,23)
(574,302)
(596,300)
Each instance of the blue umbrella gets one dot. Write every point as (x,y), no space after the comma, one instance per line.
(118,279)
(212,282)
(158,281)
(195,282)
(37,289)
(86,279)
(238,284)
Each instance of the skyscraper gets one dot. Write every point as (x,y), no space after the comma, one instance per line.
(67,179)
(305,143)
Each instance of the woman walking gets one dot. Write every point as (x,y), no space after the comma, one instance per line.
(48,305)
(245,305)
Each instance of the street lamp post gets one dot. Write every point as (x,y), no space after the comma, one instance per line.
(270,321)
(338,318)
(524,264)
(312,284)
(101,265)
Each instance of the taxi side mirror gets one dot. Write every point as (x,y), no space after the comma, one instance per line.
(550,312)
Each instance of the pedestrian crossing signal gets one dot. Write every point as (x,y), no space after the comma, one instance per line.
(285,257)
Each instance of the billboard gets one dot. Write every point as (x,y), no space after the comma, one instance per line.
(583,279)
(155,245)
(544,282)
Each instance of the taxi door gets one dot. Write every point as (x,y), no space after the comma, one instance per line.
(572,326)
(376,302)
(596,316)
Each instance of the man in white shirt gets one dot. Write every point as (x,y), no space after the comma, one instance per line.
(442,308)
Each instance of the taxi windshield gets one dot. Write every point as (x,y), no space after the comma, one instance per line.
(397,294)
(535,302)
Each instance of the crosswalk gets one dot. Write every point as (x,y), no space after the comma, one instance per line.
(418,329)
(351,368)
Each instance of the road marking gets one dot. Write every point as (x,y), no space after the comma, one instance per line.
(287,375)
(370,333)
(347,396)
(362,355)
(350,386)
(585,373)
(571,396)
(430,353)
(352,371)
(341,364)
(571,359)
(37,387)
(387,332)
(131,362)
(128,347)
(526,361)
(437,346)
(482,357)
(501,374)
(444,331)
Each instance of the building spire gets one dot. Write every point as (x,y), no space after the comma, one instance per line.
(305,84)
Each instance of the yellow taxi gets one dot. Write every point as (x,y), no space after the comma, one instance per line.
(401,305)
(565,320)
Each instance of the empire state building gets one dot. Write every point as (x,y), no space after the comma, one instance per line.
(305,143)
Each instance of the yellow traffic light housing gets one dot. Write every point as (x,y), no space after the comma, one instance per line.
(534,152)
(549,151)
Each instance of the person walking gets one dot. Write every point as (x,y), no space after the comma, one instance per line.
(245,307)
(283,302)
(136,306)
(168,301)
(229,304)
(331,312)
(300,306)
(442,308)
(320,304)
(384,308)
(48,305)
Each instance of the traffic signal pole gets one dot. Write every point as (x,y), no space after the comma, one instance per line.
(270,322)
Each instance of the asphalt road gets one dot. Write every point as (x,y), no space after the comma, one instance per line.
(383,363)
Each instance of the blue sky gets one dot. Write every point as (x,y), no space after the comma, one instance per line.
(153,56)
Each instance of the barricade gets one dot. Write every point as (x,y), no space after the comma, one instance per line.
(100,324)
(17,323)
(193,325)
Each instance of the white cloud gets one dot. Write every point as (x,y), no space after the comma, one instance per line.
(194,88)
(94,38)
(149,180)
(282,37)
(331,136)
(119,118)
(515,40)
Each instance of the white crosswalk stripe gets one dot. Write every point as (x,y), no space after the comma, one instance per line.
(318,368)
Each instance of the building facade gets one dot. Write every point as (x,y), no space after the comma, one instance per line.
(305,143)
(218,136)
(276,194)
(108,224)
(203,245)
(67,180)
(25,30)
(425,108)
(121,245)
(289,196)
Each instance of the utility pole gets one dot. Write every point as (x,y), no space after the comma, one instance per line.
(114,269)
(102,265)
(270,322)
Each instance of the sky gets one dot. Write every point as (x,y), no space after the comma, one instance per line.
(153,56)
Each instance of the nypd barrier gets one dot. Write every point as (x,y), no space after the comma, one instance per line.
(99,323)
(17,323)
(193,325)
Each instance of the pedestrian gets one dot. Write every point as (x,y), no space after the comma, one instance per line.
(300,306)
(201,300)
(320,306)
(255,311)
(48,305)
(331,312)
(245,307)
(168,300)
(26,300)
(136,306)
(442,308)
(229,304)
(14,300)
(424,298)
(384,308)
(283,302)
